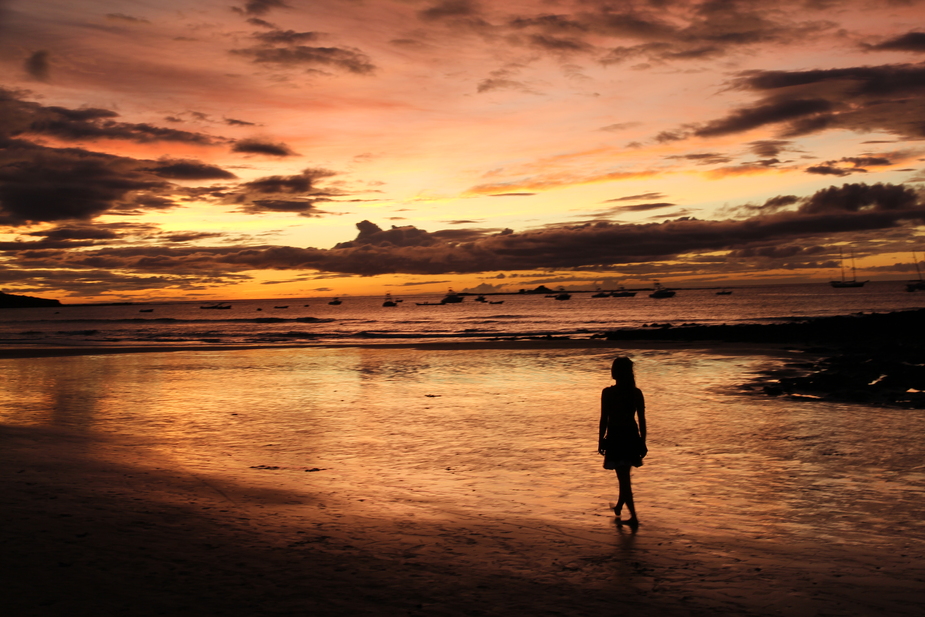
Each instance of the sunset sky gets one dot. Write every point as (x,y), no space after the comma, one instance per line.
(213,149)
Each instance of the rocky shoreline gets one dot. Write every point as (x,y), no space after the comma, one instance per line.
(874,358)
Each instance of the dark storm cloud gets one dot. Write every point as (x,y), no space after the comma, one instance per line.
(703,158)
(674,31)
(487,85)
(371,234)
(351,60)
(78,232)
(190,236)
(299,183)
(261,146)
(768,148)
(851,208)
(911,41)
(553,24)
(558,44)
(887,98)
(654,32)
(302,207)
(186,169)
(285,37)
(848,165)
(261,7)
(37,65)
(449,9)
(126,18)
(642,207)
(19,117)
(637,197)
(254,21)
(72,235)
(298,193)
(891,79)
(44,244)
(829,170)
(40,184)
(769,113)
(859,198)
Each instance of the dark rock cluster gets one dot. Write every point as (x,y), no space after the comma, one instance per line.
(875,358)
(893,377)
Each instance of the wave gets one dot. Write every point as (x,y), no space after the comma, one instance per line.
(156,320)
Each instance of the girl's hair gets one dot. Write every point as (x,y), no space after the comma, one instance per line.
(622,371)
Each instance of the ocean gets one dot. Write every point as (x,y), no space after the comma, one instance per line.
(751,489)
(417,318)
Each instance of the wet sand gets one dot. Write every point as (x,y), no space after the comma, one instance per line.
(99,524)
(118,533)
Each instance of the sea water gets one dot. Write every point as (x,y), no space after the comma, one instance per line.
(360,320)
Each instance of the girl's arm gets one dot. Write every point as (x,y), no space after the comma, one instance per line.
(641,412)
(602,428)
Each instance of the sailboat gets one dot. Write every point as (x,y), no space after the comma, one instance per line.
(661,291)
(389,301)
(918,285)
(853,282)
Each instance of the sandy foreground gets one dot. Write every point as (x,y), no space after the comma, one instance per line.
(104,525)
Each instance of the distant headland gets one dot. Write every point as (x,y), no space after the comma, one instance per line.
(11,301)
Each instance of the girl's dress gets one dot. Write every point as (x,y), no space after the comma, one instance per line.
(622,442)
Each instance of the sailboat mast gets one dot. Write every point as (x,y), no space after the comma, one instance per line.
(854,274)
(915,260)
(841,260)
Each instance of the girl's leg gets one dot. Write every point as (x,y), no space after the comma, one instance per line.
(618,509)
(626,492)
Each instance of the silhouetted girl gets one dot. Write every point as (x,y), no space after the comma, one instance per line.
(621,441)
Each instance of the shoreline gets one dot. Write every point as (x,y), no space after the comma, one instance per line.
(47,351)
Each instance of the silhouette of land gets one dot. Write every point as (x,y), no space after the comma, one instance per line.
(13,301)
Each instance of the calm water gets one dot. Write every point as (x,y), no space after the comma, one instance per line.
(501,433)
(363,319)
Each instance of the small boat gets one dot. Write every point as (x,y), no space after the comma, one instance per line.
(281,307)
(918,285)
(451,297)
(563,296)
(146,311)
(217,305)
(389,301)
(335,301)
(600,294)
(622,293)
(661,291)
(843,283)
(481,299)
(724,292)
(496,301)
